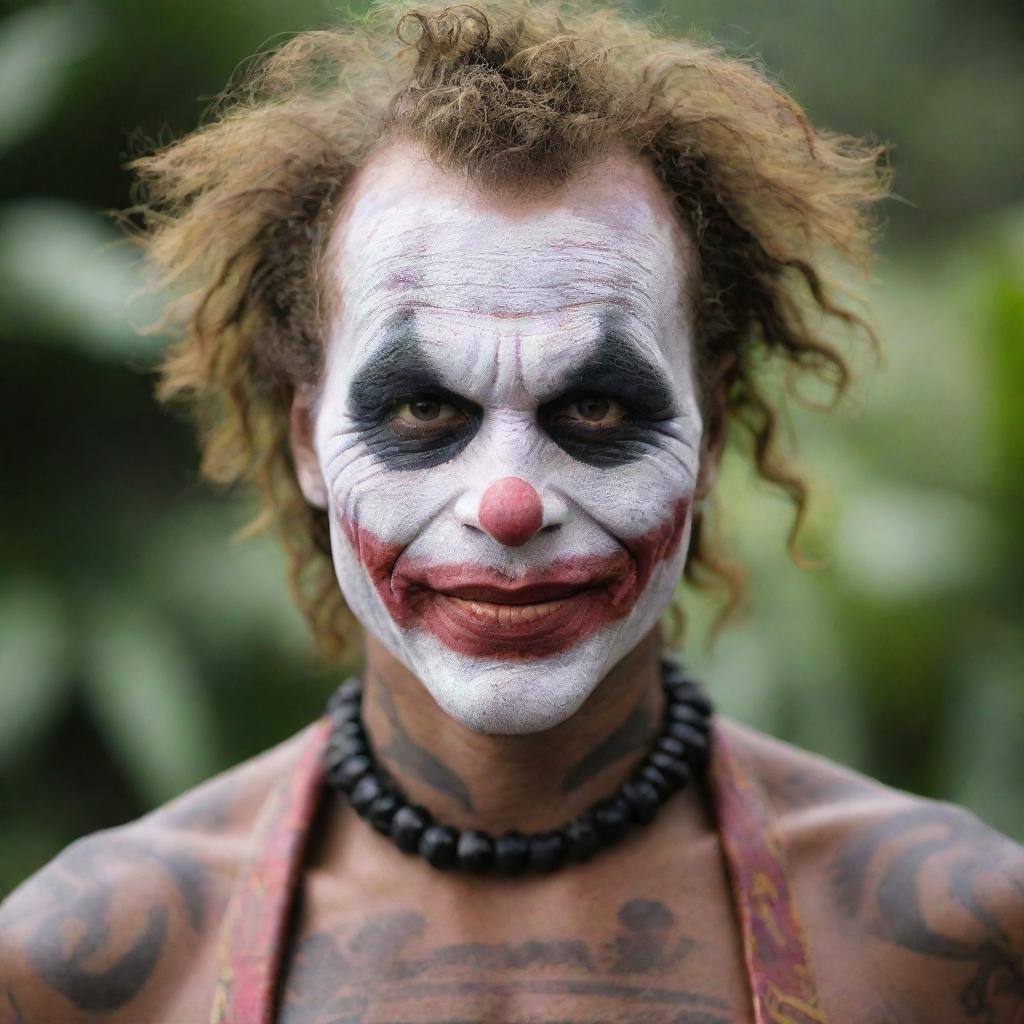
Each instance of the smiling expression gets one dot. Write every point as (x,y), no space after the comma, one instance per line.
(507,432)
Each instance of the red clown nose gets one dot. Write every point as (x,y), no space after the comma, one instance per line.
(510,511)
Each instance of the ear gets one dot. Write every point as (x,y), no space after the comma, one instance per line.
(713,441)
(300,436)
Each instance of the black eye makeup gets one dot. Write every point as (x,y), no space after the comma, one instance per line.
(406,417)
(612,407)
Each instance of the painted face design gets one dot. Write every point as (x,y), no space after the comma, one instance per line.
(507,429)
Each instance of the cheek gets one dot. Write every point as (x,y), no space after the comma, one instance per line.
(637,498)
(393,505)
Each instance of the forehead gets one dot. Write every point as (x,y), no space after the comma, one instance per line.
(415,241)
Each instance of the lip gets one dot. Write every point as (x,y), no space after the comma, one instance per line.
(475,610)
(497,623)
(509,630)
(478,583)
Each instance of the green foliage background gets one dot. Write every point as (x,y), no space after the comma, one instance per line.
(141,650)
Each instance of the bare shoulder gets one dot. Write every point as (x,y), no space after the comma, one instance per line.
(122,924)
(912,907)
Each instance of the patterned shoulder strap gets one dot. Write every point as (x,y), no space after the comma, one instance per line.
(253,933)
(778,966)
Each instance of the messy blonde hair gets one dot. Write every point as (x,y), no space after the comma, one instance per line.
(518,94)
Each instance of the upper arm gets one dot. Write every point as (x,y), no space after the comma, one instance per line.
(938,898)
(101,931)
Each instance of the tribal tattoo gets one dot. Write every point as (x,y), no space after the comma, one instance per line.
(405,752)
(628,738)
(385,969)
(81,886)
(880,875)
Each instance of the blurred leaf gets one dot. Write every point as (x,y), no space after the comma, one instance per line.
(147,698)
(33,666)
(38,49)
(67,275)
(1005,284)
(984,730)
(246,577)
(900,544)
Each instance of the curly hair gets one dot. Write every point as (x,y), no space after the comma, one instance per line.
(517,94)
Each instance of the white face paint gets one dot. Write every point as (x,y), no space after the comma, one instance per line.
(507,430)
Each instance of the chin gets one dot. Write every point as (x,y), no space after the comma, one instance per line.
(515,697)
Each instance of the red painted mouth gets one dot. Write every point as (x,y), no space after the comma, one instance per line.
(477,611)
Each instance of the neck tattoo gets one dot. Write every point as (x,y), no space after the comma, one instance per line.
(678,755)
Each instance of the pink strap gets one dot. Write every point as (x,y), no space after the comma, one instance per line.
(253,933)
(778,967)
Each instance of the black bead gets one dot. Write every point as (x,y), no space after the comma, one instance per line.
(672,746)
(353,728)
(649,773)
(695,743)
(407,827)
(686,714)
(349,772)
(547,851)
(686,731)
(643,800)
(342,747)
(696,699)
(437,845)
(671,671)
(345,711)
(612,818)
(581,838)
(382,811)
(475,850)
(366,790)
(351,689)
(686,734)
(677,772)
(511,853)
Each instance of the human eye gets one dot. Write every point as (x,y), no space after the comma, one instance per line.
(425,417)
(594,415)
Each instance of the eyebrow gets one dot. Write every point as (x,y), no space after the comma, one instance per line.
(397,368)
(616,367)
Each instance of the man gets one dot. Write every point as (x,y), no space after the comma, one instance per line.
(476,317)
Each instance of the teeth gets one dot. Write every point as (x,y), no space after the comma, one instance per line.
(508,614)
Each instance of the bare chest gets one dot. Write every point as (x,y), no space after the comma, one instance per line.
(536,958)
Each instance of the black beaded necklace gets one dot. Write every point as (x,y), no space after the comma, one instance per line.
(679,753)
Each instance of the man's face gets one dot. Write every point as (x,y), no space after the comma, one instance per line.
(507,433)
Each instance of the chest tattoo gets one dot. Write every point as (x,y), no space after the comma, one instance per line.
(386,969)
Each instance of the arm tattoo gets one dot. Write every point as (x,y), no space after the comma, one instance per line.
(628,737)
(82,887)
(405,751)
(895,855)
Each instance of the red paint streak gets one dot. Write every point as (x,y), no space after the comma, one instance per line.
(511,511)
(594,590)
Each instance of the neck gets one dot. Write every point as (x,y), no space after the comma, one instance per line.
(475,780)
